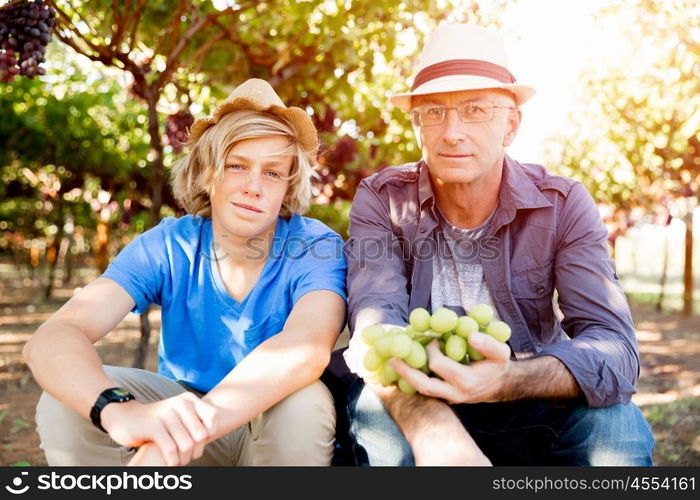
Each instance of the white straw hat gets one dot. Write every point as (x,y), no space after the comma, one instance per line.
(462,57)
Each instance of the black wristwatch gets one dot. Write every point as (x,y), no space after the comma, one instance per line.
(112,395)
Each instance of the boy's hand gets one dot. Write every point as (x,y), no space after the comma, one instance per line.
(179,426)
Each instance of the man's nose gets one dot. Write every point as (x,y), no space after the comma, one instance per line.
(453,127)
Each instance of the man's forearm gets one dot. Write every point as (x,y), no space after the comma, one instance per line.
(544,377)
(435,433)
(415,413)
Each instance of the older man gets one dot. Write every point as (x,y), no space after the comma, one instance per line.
(468,224)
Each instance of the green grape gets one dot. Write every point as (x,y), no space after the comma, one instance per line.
(411,332)
(395,330)
(456,347)
(446,336)
(482,313)
(443,320)
(383,345)
(498,330)
(465,359)
(417,358)
(442,346)
(425,369)
(419,319)
(425,340)
(474,355)
(400,345)
(405,387)
(389,375)
(466,326)
(372,360)
(371,333)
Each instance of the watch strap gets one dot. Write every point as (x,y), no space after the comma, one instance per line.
(111,395)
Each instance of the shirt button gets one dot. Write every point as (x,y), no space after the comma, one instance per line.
(423,229)
(540,289)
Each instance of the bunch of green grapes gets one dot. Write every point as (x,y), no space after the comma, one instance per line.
(408,343)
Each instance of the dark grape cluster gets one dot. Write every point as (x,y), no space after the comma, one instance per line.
(176,127)
(25,31)
(327,123)
(342,153)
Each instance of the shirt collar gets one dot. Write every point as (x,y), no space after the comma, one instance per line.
(425,187)
(517,190)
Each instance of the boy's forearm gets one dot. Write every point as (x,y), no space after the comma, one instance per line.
(274,370)
(66,364)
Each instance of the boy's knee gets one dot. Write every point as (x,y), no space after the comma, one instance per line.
(66,435)
(310,406)
(299,430)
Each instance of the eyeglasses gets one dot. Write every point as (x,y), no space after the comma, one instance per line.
(469,112)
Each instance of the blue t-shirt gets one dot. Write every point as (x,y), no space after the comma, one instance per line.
(205,332)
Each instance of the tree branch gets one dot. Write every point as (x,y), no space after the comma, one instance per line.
(119,22)
(267,60)
(199,56)
(135,24)
(80,16)
(107,61)
(173,30)
(171,64)
(63,20)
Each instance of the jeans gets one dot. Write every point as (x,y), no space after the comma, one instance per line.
(512,433)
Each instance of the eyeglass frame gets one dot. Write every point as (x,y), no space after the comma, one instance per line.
(456,108)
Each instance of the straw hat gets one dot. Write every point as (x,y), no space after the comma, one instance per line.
(258,95)
(462,57)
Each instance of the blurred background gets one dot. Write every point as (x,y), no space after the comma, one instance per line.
(91,125)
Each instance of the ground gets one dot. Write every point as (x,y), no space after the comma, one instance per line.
(668,391)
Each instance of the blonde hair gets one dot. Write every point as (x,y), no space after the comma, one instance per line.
(194,176)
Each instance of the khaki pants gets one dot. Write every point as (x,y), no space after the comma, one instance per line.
(299,430)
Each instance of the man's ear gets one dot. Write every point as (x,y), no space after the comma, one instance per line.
(512,126)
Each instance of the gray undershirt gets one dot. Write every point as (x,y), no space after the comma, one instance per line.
(458,278)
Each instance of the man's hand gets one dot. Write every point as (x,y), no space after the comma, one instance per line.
(482,381)
(179,426)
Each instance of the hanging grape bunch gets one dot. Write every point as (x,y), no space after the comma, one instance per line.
(409,343)
(176,127)
(25,31)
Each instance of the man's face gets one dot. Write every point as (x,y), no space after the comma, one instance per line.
(247,200)
(460,152)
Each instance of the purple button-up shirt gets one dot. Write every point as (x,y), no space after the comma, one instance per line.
(546,235)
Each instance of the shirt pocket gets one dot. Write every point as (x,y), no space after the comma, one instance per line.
(533,291)
(262,330)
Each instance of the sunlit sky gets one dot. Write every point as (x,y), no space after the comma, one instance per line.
(549,44)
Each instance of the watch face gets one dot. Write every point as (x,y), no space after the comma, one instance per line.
(120,392)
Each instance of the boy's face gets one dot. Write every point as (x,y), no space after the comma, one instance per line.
(461,152)
(247,200)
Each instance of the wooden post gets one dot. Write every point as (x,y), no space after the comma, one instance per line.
(688,269)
